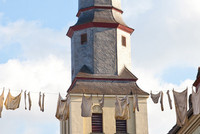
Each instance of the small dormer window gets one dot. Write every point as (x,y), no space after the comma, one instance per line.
(83,38)
(123,41)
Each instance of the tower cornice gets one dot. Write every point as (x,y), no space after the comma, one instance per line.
(98,24)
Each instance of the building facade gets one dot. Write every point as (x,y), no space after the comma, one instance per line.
(101,64)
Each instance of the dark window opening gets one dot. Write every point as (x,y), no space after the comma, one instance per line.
(83,38)
(123,41)
(97,126)
(121,126)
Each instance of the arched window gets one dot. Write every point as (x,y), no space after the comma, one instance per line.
(97,119)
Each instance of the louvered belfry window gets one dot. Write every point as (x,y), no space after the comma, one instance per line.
(121,126)
(97,126)
(83,38)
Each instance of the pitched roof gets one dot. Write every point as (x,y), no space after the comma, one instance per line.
(122,84)
(106,87)
(125,74)
(99,15)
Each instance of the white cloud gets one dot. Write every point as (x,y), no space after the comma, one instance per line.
(50,76)
(167,34)
(35,75)
(44,65)
(163,36)
(156,118)
(35,41)
(134,8)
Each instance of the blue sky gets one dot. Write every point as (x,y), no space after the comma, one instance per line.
(35,55)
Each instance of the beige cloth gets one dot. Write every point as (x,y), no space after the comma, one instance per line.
(25,99)
(62,112)
(40,100)
(42,108)
(29,100)
(161,101)
(11,102)
(86,106)
(196,102)
(180,100)
(122,108)
(169,99)
(41,103)
(155,97)
(101,102)
(1,102)
(135,103)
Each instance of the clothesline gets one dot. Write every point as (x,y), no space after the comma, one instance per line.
(176,89)
(36,92)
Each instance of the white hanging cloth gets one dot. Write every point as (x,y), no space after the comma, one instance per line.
(86,106)
(11,102)
(180,100)
(62,112)
(122,108)
(155,97)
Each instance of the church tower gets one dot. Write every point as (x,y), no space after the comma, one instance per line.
(101,64)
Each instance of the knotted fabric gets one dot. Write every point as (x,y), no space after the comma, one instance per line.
(122,108)
(155,97)
(62,112)
(11,102)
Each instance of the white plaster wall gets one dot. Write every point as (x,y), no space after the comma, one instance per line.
(123,53)
(141,119)
(116,3)
(75,119)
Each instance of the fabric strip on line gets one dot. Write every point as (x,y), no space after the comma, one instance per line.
(1,102)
